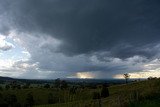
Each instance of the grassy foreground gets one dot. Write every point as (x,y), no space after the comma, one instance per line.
(138,94)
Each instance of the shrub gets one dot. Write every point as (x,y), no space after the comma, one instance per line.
(96,95)
(7,87)
(29,100)
(46,86)
(72,90)
(64,84)
(104,92)
(1,88)
(57,83)
(2,102)
(50,98)
(11,100)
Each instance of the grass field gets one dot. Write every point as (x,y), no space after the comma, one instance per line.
(138,94)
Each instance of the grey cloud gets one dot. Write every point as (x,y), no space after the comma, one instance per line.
(4,30)
(86,27)
(111,36)
(6,47)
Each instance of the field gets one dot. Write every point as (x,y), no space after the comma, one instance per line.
(139,94)
(136,94)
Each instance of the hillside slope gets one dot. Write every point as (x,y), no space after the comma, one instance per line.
(138,94)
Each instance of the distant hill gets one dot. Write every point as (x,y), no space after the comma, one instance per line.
(6,78)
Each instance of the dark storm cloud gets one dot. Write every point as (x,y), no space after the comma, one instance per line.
(4,30)
(87,26)
(98,36)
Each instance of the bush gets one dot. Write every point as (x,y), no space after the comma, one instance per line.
(29,100)
(11,100)
(64,84)
(1,88)
(96,95)
(7,87)
(50,98)
(104,92)
(2,102)
(72,90)
(57,83)
(46,86)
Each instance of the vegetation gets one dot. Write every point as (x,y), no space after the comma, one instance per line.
(136,94)
(126,76)
(29,100)
(104,92)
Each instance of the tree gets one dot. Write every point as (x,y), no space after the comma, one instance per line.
(61,83)
(1,88)
(96,95)
(126,76)
(18,86)
(11,100)
(57,83)
(2,102)
(13,84)
(46,86)
(27,85)
(7,87)
(151,78)
(64,84)
(50,98)
(104,91)
(29,100)
(73,90)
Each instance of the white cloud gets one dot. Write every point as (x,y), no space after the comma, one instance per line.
(4,45)
(141,74)
(26,53)
(6,64)
(149,68)
(83,75)
(44,61)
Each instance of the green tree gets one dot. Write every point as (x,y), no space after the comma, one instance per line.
(7,87)
(29,100)
(50,98)
(64,84)
(1,88)
(57,83)
(73,90)
(11,100)
(96,95)
(126,76)
(104,92)
(2,102)
(46,86)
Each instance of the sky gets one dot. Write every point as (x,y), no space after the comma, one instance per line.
(102,39)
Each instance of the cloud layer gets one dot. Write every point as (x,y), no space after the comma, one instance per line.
(4,45)
(69,37)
